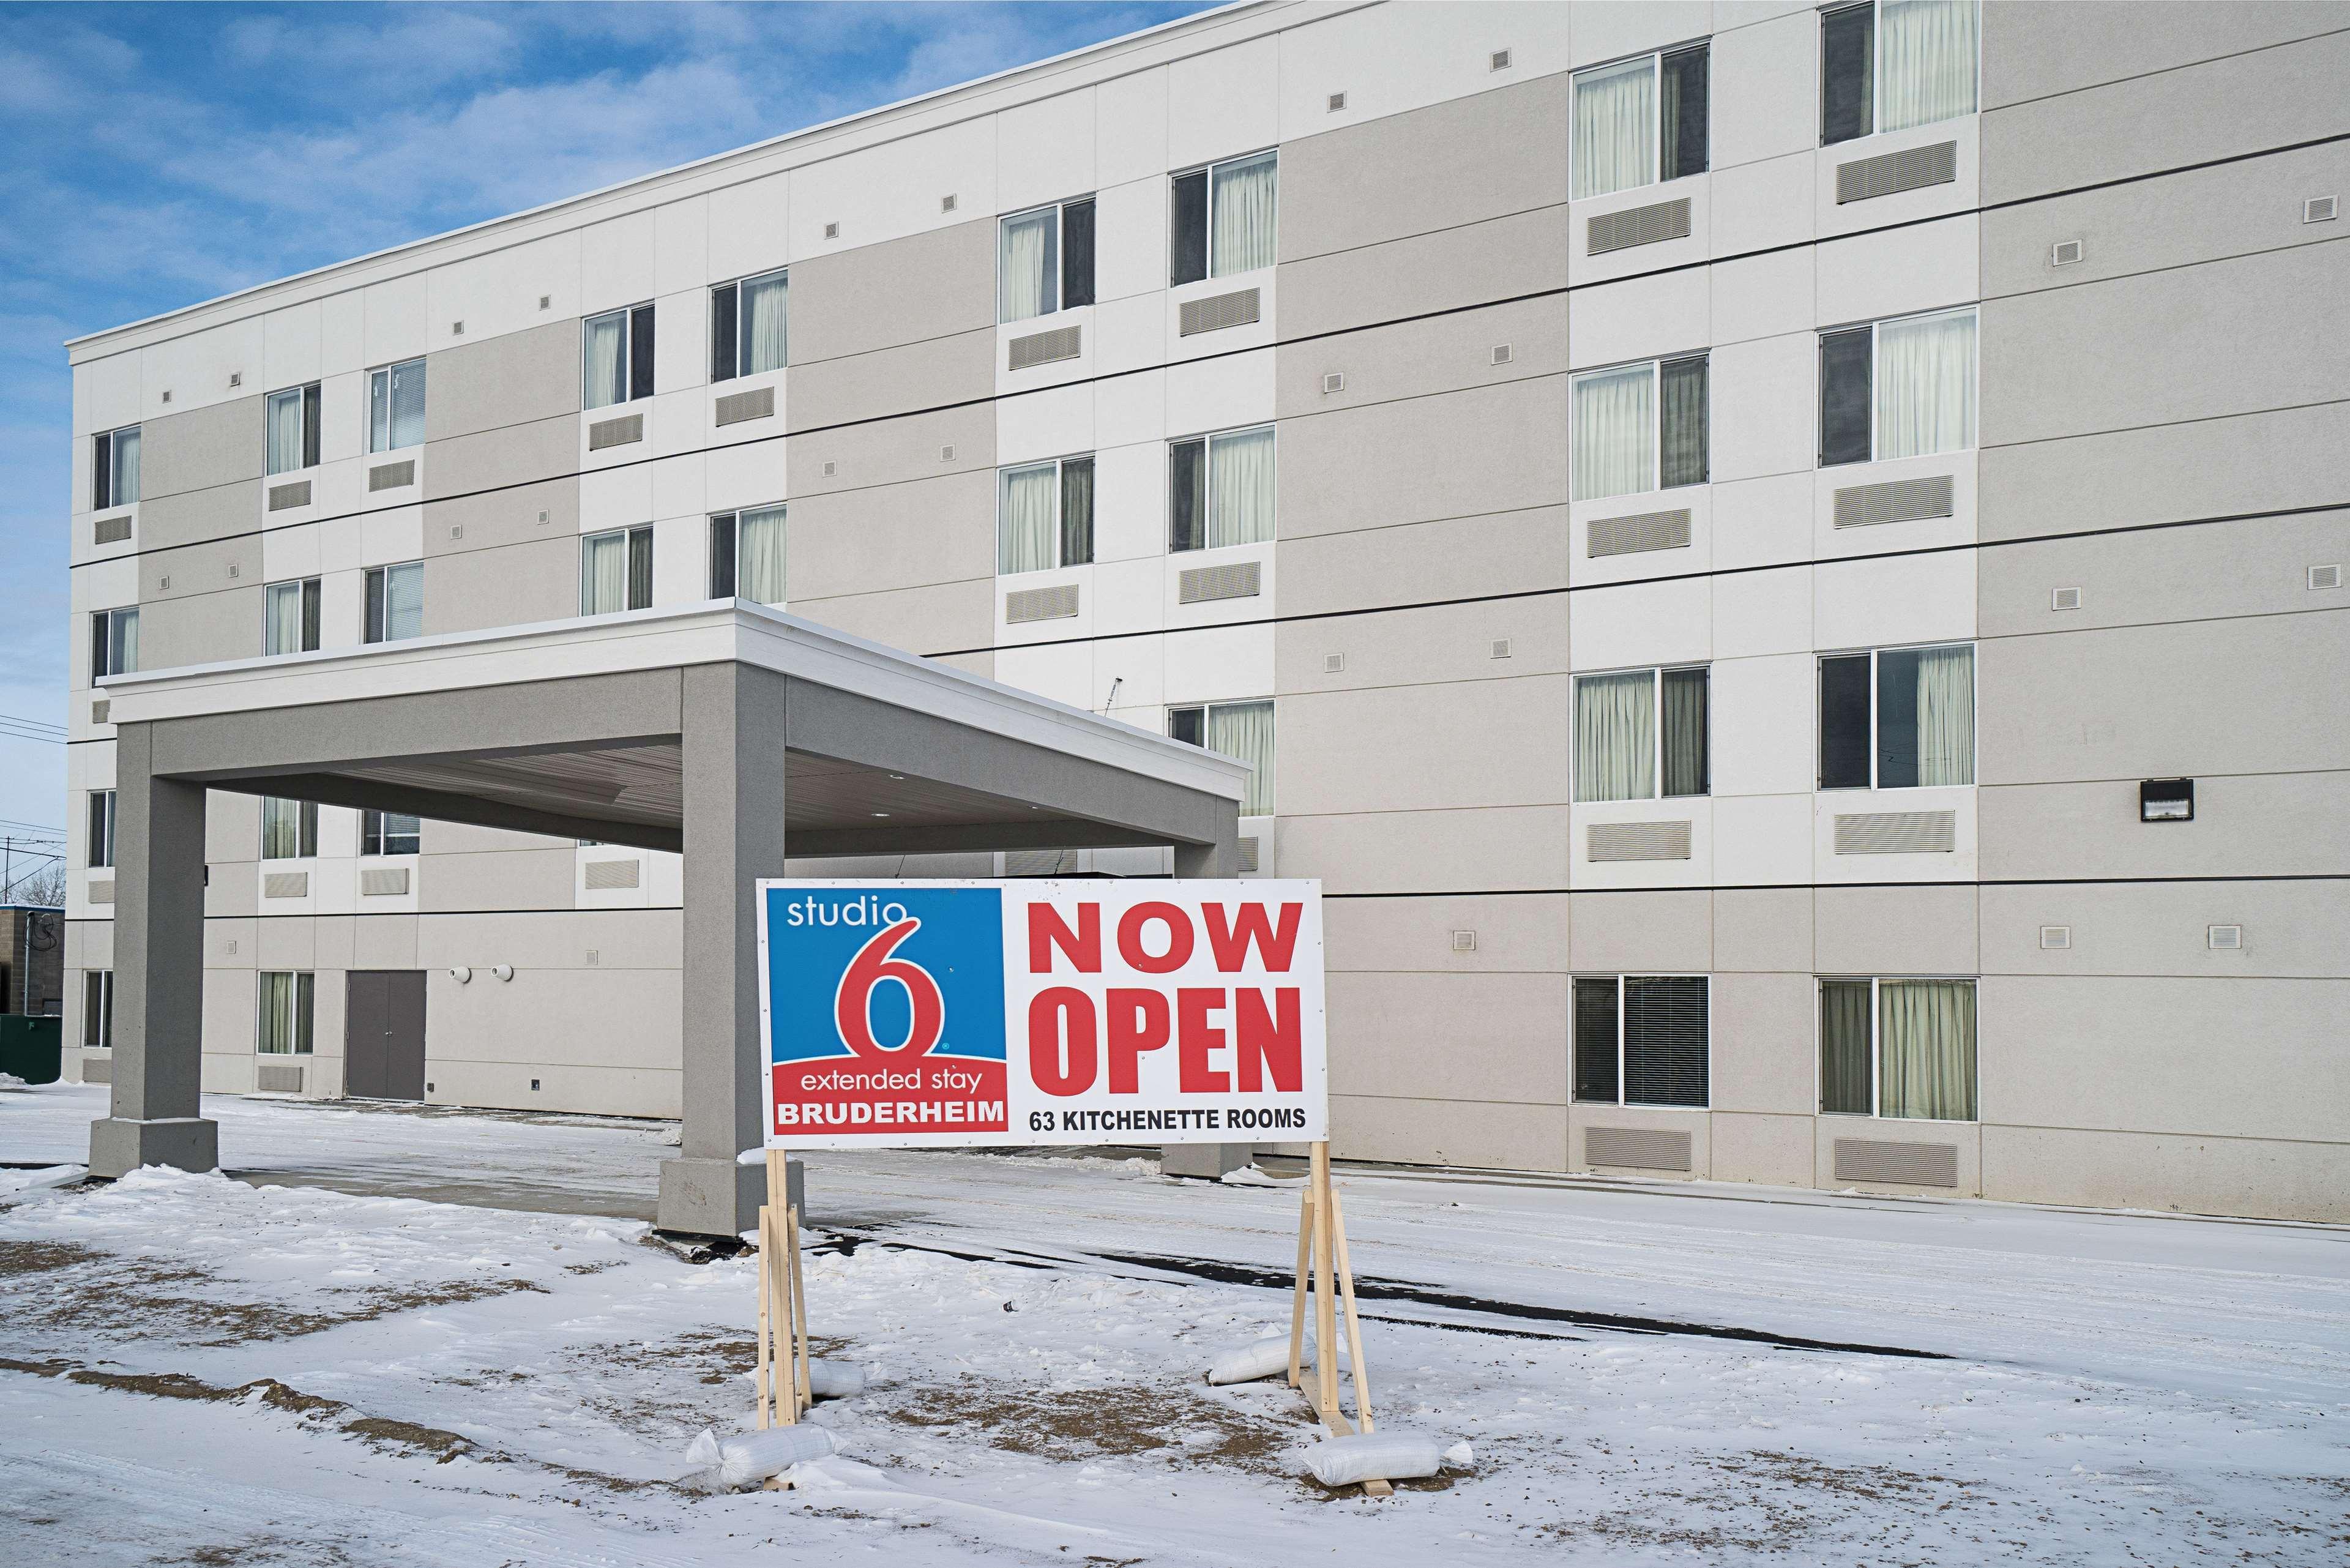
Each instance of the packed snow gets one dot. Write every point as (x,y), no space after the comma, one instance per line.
(329,1361)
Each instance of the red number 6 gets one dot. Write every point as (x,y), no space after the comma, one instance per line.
(852,1007)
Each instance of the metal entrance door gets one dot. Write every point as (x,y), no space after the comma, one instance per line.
(383,1035)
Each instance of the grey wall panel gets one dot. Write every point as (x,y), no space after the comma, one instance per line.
(1489,1135)
(490,520)
(505,380)
(932,619)
(200,628)
(512,586)
(2040,48)
(1492,849)
(231,827)
(1405,748)
(903,291)
(1439,644)
(1453,558)
(2269,98)
(892,452)
(2265,1178)
(2292,928)
(2255,566)
(1763,929)
(518,455)
(441,839)
(1763,1034)
(556,939)
(892,536)
(1474,265)
(885,381)
(232,889)
(2213,697)
(1648,932)
(1486,156)
(1912,931)
(2235,334)
(517,879)
(199,515)
(1523,933)
(2246,825)
(218,566)
(1448,353)
(1454,1036)
(203,447)
(1493,450)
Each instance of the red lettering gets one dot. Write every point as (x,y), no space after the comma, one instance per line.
(1047,930)
(1231,943)
(1179,937)
(1195,1038)
(1064,1012)
(1270,1041)
(1137,1022)
(852,1004)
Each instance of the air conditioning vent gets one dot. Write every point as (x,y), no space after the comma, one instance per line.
(2065,253)
(1641,531)
(99,710)
(1897,833)
(831,469)
(111,530)
(1500,61)
(456,531)
(2065,599)
(946,203)
(1897,501)
(286,885)
(2226,938)
(1217,312)
(622,431)
(1636,226)
(1056,603)
(392,476)
(1337,102)
(1336,381)
(1637,1148)
(282,496)
(2057,938)
(946,455)
(2321,209)
(1464,941)
(1045,347)
(1639,841)
(1248,860)
(1896,1164)
(1498,649)
(1503,354)
(734,407)
(1032,862)
(2325,577)
(1334,664)
(1239,580)
(1911,169)
(832,231)
(102,892)
(277,1078)
(602,876)
(383,881)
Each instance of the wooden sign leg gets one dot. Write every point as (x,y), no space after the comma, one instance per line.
(802,1385)
(760,1380)
(776,1262)
(1297,1297)
(1326,1328)
(1354,1323)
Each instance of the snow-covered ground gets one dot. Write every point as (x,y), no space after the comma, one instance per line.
(199,1369)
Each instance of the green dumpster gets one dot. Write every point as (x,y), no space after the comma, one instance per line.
(30,1047)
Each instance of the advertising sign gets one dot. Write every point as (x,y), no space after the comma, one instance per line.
(944,1014)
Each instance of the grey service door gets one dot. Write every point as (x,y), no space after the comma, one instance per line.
(383,1035)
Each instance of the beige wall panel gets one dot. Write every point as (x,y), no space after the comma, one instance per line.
(2040,48)
(513,587)
(2292,928)
(589,1091)
(1430,646)
(286,942)
(2263,1177)
(1474,453)
(505,380)
(217,512)
(2153,1054)
(1430,851)
(331,938)
(89,944)
(1454,557)
(1454,1036)
(888,381)
(1765,1032)
(586,1018)
(894,451)
(202,449)
(903,291)
(1486,156)
(231,827)
(229,943)
(1651,932)
(384,941)
(1773,1150)
(201,629)
(519,879)
(2251,566)
(463,838)
(1504,259)
(2272,824)
(944,618)
(219,567)
(555,939)
(233,888)
(493,460)
(1474,743)
(1420,358)
(1449,1132)
(228,1004)
(498,518)
(1895,930)
(1762,930)
(903,536)
(1526,933)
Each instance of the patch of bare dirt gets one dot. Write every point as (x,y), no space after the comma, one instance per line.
(1122,1421)
(1764,1502)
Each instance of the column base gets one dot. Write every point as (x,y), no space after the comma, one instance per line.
(694,1195)
(1206,1161)
(119,1145)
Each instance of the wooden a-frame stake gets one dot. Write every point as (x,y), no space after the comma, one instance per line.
(1321,1264)
(781,1383)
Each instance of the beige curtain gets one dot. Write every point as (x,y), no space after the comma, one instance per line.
(282,619)
(286,430)
(604,573)
(1616,736)
(1029,272)
(1239,488)
(1926,1045)
(284,1023)
(1027,530)
(1614,450)
(1946,716)
(1926,54)
(603,377)
(1926,385)
(1241,233)
(124,486)
(1615,127)
(759,556)
(765,303)
(1244,730)
(1843,1047)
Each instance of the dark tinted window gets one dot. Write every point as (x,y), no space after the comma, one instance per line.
(1665,1040)
(640,352)
(1077,511)
(1681,423)
(1594,1040)
(1076,255)
(1844,721)
(1187,494)
(1683,114)
(722,556)
(1844,396)
(1187,257)
(722,333)
(1848,74)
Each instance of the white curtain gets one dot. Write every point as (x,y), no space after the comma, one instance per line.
(1244,730)
(763,302)
(1241,232)
(276,1013)
(602,382)
(1926,385)
(407,404)
(1926,1049)
(1239,488)
(604,573)
(1615,127)
(759,556)
(125,486)
(1946,716)
(281,829)
(124,631)
(403,601)
(1926,53)
(1614,451)
(283,630)
(1031,272)
(1616,736)
(286,430)
(1027,533)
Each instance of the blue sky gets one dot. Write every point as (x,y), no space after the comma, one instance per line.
(159,155)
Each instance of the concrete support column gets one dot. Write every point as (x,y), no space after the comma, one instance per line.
(159,972)
(1213,861)
(734,835)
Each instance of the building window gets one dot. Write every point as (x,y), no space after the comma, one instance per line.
(101,828)
(389,833)
(1897,718)
(615,571)
(97,1010)
(113,642)
(746,556)
(1634,732)
(290,617)
(396,406)
(1221,219)
(749,327)
(283,1027)
(1242,730)
(1898,1048)
(616,357)
(1898,388)
(1220,490)
(1046,260)
(1640,120)
(395,602)
(289,828)
(1892,63)
(114,468)
(1641,1039)
(1045,515)
(293,426)
(1639,427)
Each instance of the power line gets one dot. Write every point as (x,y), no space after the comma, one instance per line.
(32,723)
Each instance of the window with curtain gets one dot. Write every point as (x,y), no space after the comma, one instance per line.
(1902,388)
(289,617)
(1046,260)
(396,406)
(1898,1048)
(1642,1040)
(615,571)
(1242,730)
(289,828)
(285,1001)
(395,602)
(1221,490)
(1894,64)
(114,468)
(1897,718)
(97,1010)
(749,326)
(99,842)
(293,422)
(1221,219)
(1045,515)
(390,833)
(113,642)
(746,555)
(1640,120)
(1642,733)
(616,357)
(1639,428)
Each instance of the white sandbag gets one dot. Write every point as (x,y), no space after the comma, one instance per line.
(1265,1358)
(1382,1456)
(750,1457)
(834,1379)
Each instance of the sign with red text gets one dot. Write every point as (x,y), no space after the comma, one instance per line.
(944,1015)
